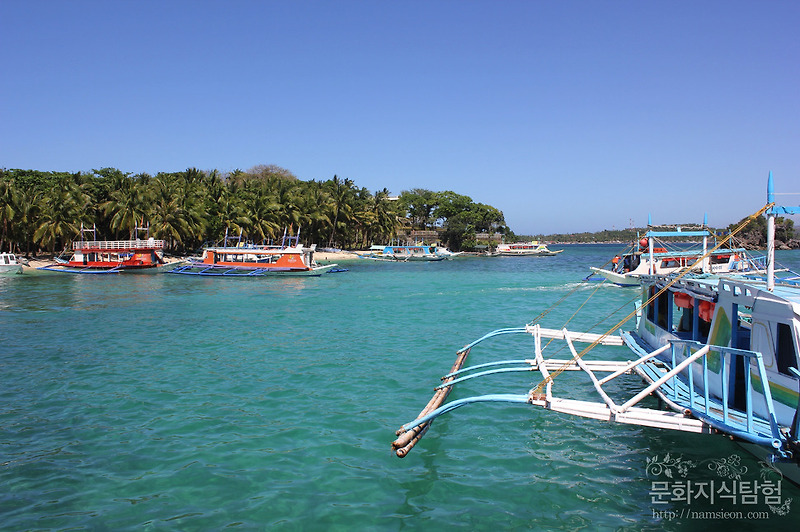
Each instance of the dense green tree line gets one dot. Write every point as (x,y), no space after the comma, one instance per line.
(45,210)
(754,234)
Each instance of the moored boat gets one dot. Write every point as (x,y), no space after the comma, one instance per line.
(721,353)
(447,254)
(524,249)
(9,264)
(290,258)
(110,256)
(655,255)
(404,253)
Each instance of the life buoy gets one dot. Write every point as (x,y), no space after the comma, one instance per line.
(683,300)
(706,310)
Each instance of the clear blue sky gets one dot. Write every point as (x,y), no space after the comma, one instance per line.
(566,115)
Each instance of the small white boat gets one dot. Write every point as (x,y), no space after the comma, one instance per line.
(403,253)
(9,264)
(446,253)
(524,249)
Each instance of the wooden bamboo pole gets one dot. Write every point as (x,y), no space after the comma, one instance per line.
(408,438)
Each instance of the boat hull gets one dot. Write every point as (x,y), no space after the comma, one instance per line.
(222,270)
(528,253)
(790,470)
(99,270)
(620,279)
(10,269)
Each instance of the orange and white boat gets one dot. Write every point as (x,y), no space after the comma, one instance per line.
(290,258)
(110,256)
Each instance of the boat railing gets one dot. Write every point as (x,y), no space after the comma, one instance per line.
(750,263)
(692,253)
(118,244)
(710,399)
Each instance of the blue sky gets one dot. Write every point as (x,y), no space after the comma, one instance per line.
(566,115)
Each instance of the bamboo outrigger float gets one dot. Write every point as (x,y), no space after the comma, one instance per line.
(722,353)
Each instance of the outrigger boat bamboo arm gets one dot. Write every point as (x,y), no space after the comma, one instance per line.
(607,410)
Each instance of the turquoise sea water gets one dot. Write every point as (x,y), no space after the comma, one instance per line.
(154,401)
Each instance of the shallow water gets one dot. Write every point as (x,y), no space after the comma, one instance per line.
(171,402)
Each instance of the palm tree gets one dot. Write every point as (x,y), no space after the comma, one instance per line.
(313,204)
(61,213)
(128,206)
(262,210)
(341,191)
(9,200)
(230,213)
(189,199)
(385,218)
(289,203)
(25,224)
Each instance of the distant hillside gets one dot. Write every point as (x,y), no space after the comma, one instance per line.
(624,235)
(754,236)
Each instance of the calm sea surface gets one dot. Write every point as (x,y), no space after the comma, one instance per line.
(154,401)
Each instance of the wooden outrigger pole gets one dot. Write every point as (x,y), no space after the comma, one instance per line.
(408,438)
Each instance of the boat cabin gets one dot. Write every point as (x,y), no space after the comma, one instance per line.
(117,253)
(737,314)
(293,258)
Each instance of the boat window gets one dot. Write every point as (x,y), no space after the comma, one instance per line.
(5,259)
(785,350)
(705,313)
(744,333)
(658,310)
(683,310)
(663,311)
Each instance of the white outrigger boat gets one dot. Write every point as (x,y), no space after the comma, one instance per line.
(722,353)
(525,249)
(653,255)
(404,253)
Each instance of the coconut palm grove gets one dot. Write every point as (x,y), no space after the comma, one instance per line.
(43,211)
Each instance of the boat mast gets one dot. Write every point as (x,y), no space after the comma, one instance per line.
(706,266)
(771,213)
(770,235)
(650,242)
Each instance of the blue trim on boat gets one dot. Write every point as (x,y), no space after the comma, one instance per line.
(84,271)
